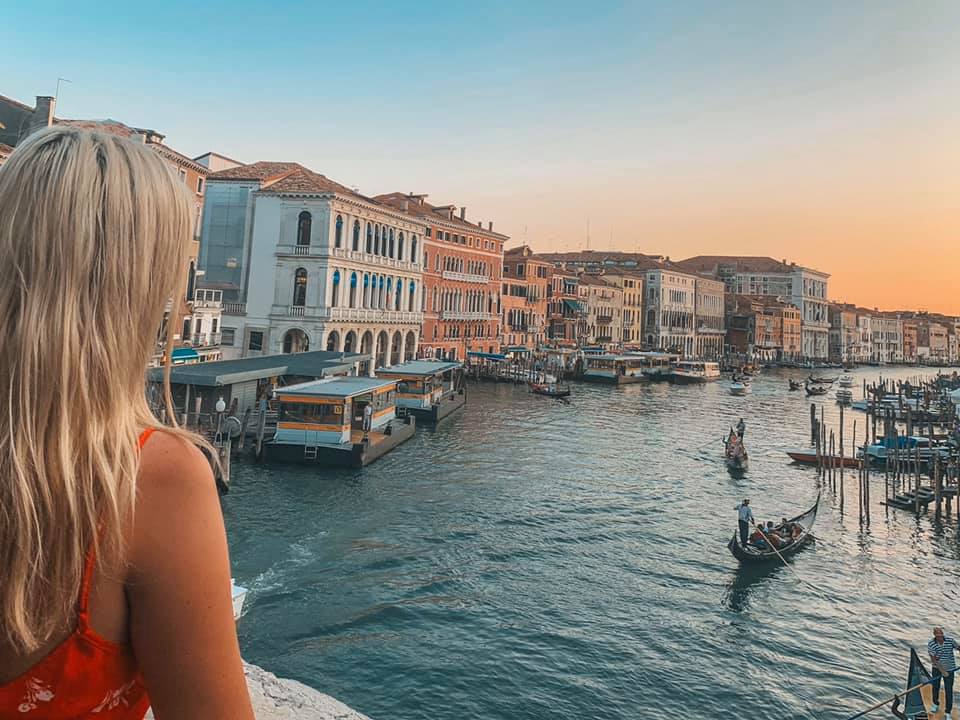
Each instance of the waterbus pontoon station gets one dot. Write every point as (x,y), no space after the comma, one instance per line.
(629,368)
(323,422)
(430,390)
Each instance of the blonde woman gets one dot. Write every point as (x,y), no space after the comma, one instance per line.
(114,576)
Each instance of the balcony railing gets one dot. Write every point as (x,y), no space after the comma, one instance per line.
(234,308)
(465,277)
(604,319)
(207,304)
(296,310)
(458,315)
(205,339)
(301,249)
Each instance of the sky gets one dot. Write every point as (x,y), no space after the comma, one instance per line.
(825,133)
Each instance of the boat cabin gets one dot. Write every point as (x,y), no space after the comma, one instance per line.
(695,371)
(331,412)
(627,368)
(428,389)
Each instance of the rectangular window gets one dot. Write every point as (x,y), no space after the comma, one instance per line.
(213,325)
(199,185)
(256,340)
(183,175)
(227,335)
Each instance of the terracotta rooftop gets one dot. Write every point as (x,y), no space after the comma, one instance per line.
(262,170)
(302,181)
(612,259)
(742,263)
(593,279)
(418,206)
(115,127)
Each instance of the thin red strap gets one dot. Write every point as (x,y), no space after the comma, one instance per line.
(88,566)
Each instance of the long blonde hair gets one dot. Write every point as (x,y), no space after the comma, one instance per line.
(93,234)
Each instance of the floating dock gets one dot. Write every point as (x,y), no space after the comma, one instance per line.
(429,390)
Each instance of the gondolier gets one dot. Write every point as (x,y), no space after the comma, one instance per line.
(745,519)
(941,649)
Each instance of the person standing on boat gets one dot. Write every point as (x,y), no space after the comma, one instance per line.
(745,520)
(741,428)
(941,649)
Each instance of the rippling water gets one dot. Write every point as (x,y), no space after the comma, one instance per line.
(528,559)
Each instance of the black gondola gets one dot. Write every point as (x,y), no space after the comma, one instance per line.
(751,553)
(915,703)
(550,390)
(795,385)
(735,454)
(815,390)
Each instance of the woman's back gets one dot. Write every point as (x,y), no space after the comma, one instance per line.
(116,588)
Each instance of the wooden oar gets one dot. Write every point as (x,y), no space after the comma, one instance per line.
(891,699)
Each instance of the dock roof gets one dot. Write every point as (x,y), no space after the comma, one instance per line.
(341,387)
(318,363)
(420,367)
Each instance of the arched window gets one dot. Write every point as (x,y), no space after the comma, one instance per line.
(366,291)
(356,235)
(400,246)
(338,233)
(335,294)
(300,287)
(390,250)
(369,238)
(398,296)
(413,248)
(412,288)
(353,290)
(376,240)
(304,222)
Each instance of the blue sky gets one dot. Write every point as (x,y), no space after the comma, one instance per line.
(675,127)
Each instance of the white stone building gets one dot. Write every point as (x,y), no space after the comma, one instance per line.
(307,263)
(803,287)
(670,308)
(602,300)
(711,327)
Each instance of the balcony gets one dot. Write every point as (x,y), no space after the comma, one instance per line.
(457,315)
(370,315)
(207,304)
(533,300)
(604,319)
(296,310)
(205,339)
(344,254)
(234,308)
(465,277)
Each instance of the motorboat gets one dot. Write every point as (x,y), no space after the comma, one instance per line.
(739,388)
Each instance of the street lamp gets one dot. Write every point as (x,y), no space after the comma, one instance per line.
(220,406)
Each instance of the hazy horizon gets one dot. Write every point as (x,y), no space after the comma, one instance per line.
(823,134)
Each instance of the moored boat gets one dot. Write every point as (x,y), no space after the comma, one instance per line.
(752,553)
(844,396)
(821,380)
(694,371)
(845,381)
(808,456)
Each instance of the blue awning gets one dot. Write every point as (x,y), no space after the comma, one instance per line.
(184,355)
(485,355)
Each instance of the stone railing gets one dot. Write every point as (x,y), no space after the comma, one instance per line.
(276,698)
(465,277)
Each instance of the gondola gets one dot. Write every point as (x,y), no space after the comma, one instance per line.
(821,380)
(813,390)
(735,454)
(916,701)
(755,554)
(795,385)
(549,390)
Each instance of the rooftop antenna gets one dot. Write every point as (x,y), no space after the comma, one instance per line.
(60,80)
(588,233)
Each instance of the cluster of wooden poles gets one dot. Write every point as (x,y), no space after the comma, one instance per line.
(833,460)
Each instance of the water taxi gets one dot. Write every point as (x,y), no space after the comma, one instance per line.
(430,390)
(739,388)
(339,422)
(694,371)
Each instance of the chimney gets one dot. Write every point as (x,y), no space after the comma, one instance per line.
(480,223)
(404,205)
(43,113)
(490,225)
(463,213)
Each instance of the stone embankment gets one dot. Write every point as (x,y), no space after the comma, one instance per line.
(281,699)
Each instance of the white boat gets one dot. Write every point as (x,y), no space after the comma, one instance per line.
(739,388)
(239,594)
(888,401)
(694,371)
(846,381)
(908,448)
(844,396)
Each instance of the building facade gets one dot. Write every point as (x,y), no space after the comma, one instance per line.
(844,333)
(670,305)
(566,318)
(306,263)
(462,271)
(631,282)
(526,279)
(805,288)
(709,308)
(602,300)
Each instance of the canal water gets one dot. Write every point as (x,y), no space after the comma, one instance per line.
(529,559)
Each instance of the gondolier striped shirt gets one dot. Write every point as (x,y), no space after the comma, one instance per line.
(944,652)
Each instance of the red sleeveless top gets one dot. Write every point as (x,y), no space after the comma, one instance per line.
(85,676)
